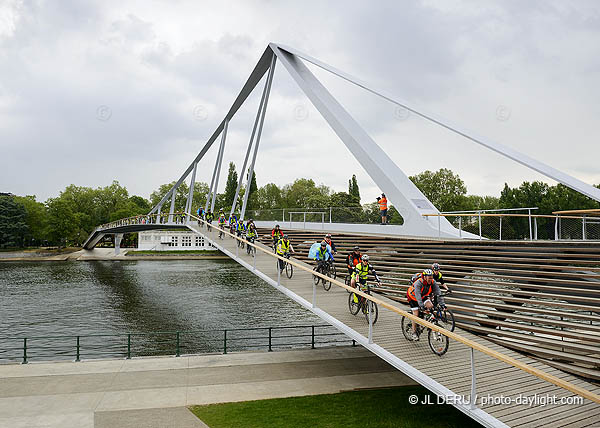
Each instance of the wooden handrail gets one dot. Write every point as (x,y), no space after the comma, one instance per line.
(470,343)
(592,210)
(509,215)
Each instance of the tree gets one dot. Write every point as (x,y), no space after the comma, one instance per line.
(443,188)
(304,193)
(231,185)
(253,197)
(345,209)
(36,219)
(63,223)
(353,190)
(269,196)
(13,222)
(181,196)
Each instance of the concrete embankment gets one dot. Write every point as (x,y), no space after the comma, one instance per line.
(152,392)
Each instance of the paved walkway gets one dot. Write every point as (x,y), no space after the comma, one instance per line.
(153,392)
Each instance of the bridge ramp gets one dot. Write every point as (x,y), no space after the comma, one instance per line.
(497,383)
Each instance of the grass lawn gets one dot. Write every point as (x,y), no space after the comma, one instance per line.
(367,408)
(172,252)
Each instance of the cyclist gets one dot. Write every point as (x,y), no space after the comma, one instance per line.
(276,235)
(419,296)
(361,271)
(200,212)
(209,218)
(251,234)
(322,256)
(284,246)
(330,243)
(241,228)
(353,259)
(222,220)
(437,276)
(232,223)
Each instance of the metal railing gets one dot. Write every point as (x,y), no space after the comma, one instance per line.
(162,218)
(341,214)
(501,225)
(291,213)
(470,344)
(177,343)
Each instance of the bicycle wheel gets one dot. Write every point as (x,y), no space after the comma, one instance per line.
(248,249)
(242,243)
(289,270)
(369,304)
(333,271)
(326,284)
(438,342)
(348,282)
(447,320)
(316,279)
(407,328)
(354,306)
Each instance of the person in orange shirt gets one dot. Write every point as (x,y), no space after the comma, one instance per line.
(383,207)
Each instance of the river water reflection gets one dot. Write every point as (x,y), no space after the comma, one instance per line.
(120,297)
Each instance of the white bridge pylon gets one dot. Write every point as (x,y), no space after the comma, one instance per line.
(399,189)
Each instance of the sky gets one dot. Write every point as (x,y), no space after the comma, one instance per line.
(96,91)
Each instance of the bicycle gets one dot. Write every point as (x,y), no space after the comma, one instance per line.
(240,243)
(221,231)
(250,249)
(438,342)
(362,303)
(324,267)
(445,314)
(283,265)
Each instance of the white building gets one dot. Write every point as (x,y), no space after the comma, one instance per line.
(163,240)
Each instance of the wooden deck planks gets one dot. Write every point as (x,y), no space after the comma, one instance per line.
(454,369)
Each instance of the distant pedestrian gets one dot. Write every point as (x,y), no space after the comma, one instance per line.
(383,207)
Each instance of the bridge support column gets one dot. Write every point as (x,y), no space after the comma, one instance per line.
(172,209)
(218,166)
(260,127)
(243,170)
(118,239)
(190,199)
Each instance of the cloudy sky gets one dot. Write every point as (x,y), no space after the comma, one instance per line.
(92,91)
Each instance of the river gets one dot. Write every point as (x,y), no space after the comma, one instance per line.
(199,298)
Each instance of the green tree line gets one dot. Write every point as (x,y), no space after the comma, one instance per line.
(69,218)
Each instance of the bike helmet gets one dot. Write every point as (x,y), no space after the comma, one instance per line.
(276,226)
(435,267)
(356,248)
(328,235)
(365,257)
(427,272)
(323,244)
(285,237)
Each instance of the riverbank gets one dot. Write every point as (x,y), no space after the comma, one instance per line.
(107,254)
(113,393)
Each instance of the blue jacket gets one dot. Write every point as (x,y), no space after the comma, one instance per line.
(324,255)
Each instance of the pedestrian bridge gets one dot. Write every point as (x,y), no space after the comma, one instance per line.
(511,389)
(493,384)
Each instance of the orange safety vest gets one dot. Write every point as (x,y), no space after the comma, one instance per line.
(410,293)
(382,204)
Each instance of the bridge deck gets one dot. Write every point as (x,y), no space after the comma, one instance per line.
(496,380)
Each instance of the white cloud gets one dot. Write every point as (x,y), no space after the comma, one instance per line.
(130,90)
